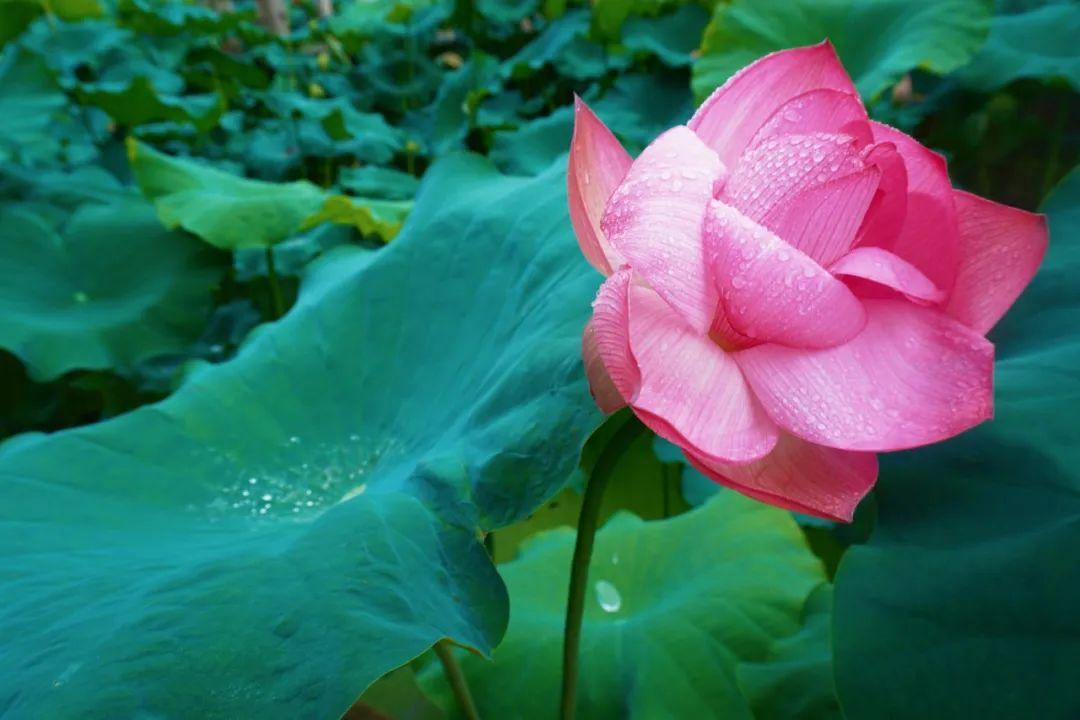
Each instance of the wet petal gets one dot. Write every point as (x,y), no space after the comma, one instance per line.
(598,163)
(824,220)
(771,291)
(801,476)
(885,218)
(730,117)
(929,236)
(820,110)
(692,392)
(1000,250)
(885,268)
(913,376)
(654,220)
(774,173)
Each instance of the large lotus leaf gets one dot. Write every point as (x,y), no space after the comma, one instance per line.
(232,212)
(710,614)
(16,15)
(294,523)
(878,40)
(963,603)
(103,288)
(1038,42)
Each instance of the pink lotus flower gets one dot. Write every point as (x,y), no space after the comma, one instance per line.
(791,286)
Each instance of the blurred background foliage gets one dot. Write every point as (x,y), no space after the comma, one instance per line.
(172,174)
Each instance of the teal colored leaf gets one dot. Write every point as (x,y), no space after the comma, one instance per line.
(31,102)
(232,212)
(378,182)
(348,131)
(103,288)
(878,40)
(718,613)
(296,522)
(640,106)
(963,602)
(552,42)
(1039,42)
(534,146)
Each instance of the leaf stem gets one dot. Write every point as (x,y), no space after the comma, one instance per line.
(275,285)
(583,548)
(456,678)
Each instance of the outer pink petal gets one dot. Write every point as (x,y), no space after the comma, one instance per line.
(654,220)
(601,386)
(823,221)
(778,170)
(772,292)
(913,376)
(820,110)
(613,373)
(801,476)
(885,218)
(598,164)
(930,235)
(1000,250)
(692,392)
(885,268)
(731,116)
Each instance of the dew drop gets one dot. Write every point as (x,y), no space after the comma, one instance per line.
(607,595)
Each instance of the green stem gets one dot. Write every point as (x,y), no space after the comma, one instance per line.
(275,285)
(456,678)
(579,566)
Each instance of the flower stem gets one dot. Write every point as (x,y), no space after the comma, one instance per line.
(456,678)
(583,548)
(275,285)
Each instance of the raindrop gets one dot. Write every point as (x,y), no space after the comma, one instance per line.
(608,596)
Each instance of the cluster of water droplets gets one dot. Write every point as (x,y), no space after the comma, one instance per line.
(299,479)
(780,167)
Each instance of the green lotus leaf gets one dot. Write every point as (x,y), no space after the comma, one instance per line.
(1037,42)
(963,602)
(102,287)
(294,523)
(31,104)
(722,612)
(878,40)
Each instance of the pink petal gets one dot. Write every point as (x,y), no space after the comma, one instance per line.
(881,266)
(598,164)
(613,373)
(692,392)
(774,173)
(823,221)
(1000,250)
(885,218)
(820,110)
(801,476)
(913,376)
(731,116)
(772,292)
(601,386)
(654,221)
(930,235)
